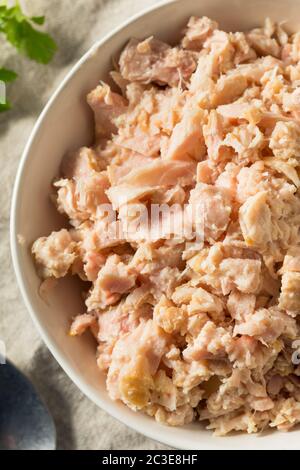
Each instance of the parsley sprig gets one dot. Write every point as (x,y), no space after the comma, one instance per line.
(6,76)
(20,31)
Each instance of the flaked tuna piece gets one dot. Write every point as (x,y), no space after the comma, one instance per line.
(285,168)
(204,301)
(187,138)
(289,299)
(105,233)
(250,181)
(254,71)
(123,194)
(81,323)
(291,101)
(114,279)
(207,172)
(275,384)
(244,275)
(93,261)
(150,258)
(239,420)
(228,88)
(164,281)
(252,112)
(149,121)
(82,163)
(107,106)
(123,164)
(152,60)
(263,44)
(291,261)
(208,260)
(228,179)
(247,141)
(80,198)
(197,32)
(266,325)
(55,254)
(235,392)
(211,208)
(138,297)
(243,51)
(211,342)
(295,49)
(188,375)
(273,83)
(174,195)
(169,317)
(221,50)
(285,140)
(240,306)
(255,221)
(183,294)
(162,173)
(183,415)
(202,84)
(135,361)
(246,351)
(214,133)
(116,321)
(140,141)
(286,414)
(171,400)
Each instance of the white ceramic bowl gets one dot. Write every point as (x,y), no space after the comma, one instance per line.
(65,124)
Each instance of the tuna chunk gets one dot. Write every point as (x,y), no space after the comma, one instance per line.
(162,173)
(55,254)
(152,60)
(114,279)
(289,299)
(267,325)
(255,220)
(263,44)
(244,275)
(211,208)
(211,342)
(197,31)
(285,140)
(81,323)
(241,306)
(80,198)
(135,360)
(187,138)
(107,106)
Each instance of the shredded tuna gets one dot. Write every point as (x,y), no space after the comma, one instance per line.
(184,224)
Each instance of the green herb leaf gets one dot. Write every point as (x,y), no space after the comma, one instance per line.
(7,75)
(38,19)
(5,106)
(21,34)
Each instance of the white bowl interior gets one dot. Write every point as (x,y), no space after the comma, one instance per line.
(66,124)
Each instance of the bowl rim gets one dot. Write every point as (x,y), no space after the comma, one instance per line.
(111,407)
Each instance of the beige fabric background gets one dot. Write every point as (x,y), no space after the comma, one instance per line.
(75,24)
